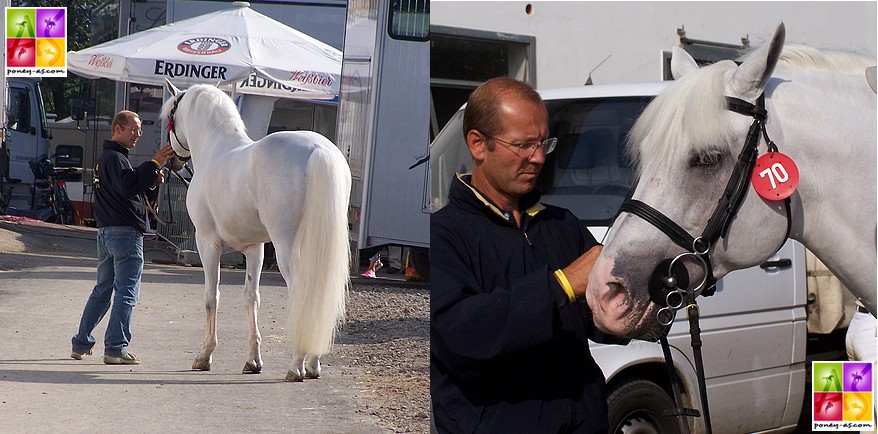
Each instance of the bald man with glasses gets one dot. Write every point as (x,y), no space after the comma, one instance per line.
(509,323)
(121,193)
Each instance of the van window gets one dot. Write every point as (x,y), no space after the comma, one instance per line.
(590,159)
(44,124)
(19,110)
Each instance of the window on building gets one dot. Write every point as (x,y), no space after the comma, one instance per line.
(462,59)
(409,20)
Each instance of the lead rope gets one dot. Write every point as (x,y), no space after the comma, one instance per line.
(681,412)
(693,313)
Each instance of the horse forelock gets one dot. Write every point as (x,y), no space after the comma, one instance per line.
(686,117)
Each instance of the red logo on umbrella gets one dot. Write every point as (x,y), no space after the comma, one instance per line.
(204,46)
(100,61)
(309,77)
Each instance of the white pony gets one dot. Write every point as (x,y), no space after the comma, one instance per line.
(820,112)
(291,188)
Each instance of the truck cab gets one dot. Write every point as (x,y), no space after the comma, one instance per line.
(27,132)
(754,329)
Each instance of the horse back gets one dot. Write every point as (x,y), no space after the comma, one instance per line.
(261,186)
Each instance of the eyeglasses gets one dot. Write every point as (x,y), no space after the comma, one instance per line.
(547,146)
(135,130)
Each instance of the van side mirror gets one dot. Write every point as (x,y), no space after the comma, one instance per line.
(77,111)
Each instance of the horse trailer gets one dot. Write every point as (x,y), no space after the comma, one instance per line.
(383,123)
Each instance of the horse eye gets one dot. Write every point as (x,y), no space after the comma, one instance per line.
(706,159)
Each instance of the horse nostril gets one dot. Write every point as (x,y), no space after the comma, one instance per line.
(616,287)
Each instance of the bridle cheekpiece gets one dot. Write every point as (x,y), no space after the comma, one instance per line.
(172,130)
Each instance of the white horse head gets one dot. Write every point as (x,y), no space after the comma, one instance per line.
(820,112)
(208,104)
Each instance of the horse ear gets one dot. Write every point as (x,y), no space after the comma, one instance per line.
(681,63)
(171,88)
(750,78)
(871,78)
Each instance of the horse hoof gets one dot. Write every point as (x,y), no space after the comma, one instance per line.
(294,377)
(252,367)
(312,374)
(201,365)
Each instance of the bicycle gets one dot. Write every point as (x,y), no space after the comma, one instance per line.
(52,195)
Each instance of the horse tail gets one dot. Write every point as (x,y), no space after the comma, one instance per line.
(321,251)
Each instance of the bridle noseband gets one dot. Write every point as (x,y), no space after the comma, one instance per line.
(668,293)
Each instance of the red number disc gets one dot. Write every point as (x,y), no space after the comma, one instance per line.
(775,176)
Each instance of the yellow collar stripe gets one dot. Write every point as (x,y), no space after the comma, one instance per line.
(532,211)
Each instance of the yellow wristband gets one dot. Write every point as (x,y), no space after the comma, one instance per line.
(156,163)
(565,284)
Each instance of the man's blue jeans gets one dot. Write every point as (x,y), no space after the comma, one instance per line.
(120,264)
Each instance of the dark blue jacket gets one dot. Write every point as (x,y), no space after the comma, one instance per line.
(120,190)
(508,352)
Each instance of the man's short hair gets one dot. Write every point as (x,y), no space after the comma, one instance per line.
(123,118)
(483,106)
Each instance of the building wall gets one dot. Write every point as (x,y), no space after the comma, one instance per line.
(574,37)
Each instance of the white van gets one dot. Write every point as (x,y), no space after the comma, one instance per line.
(754,328)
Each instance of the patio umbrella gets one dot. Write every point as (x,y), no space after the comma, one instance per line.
(236,46)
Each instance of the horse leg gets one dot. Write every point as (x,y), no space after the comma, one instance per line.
(304,366)
(255,256)
(297,368)
(210,254)
(312,366)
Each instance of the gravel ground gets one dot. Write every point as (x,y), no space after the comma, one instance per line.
(384,340)
(387,334)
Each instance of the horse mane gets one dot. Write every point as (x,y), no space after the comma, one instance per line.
(802,57)
(690,111)
(217,110)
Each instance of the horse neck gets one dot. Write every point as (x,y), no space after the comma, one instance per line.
(849,253)
(207,145)
(829,134)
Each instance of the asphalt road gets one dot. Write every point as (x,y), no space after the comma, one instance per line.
(43,390)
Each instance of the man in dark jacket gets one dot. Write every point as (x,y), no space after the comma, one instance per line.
(509,324)
(121,215)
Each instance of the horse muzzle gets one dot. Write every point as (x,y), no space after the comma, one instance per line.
(176,162)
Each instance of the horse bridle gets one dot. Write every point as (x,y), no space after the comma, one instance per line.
(668,294)
(698,248)
(172,130)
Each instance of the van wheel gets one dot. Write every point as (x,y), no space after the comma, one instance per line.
(636,407)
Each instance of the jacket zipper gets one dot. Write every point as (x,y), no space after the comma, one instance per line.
(524,231)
